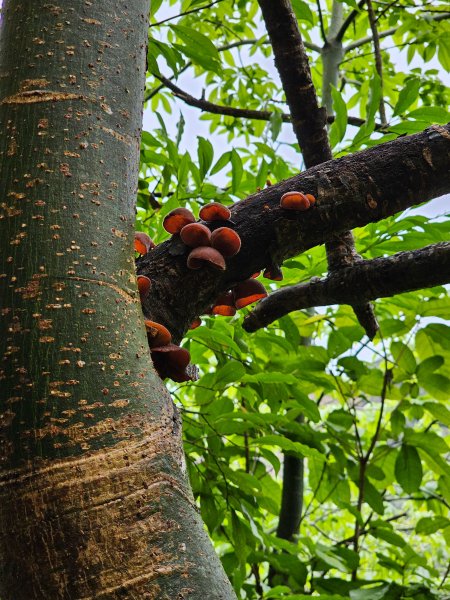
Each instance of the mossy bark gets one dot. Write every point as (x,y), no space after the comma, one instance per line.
(94,502)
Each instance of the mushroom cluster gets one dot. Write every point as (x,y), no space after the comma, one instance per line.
(169,359)
(210,244)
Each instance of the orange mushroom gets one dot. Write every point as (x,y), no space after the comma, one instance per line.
(171,361)
(157,334)
(226,241)
(195,234)
(177,219)
(195,323)
(215,212)
(205,255)
(255,275)
(274,273)
(311,198)
(248,291)
(294,201)
(144,284)
(143,242)
(224,305)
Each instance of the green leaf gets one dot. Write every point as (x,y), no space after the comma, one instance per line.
(374,96)
(429,525)
(214,339)
(223,161)
(237,171)
(276,121)
(205,154)
(183,170)
(302,11)
(373,497)
(239,537)
(339,125)
(232,371)
(408,469)
(270,377)
(403,357)
(444,50)
(197,47)
(407,96)
(428,366)
(389,536)
(288,445)
(436,385)
(429,114)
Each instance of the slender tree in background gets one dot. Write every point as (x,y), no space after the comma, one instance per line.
(95,502)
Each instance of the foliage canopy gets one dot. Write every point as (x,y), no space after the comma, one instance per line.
(368,419)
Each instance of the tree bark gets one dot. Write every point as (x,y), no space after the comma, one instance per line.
(350,191)
(94,501)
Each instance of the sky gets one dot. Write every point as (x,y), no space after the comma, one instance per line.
(194,126)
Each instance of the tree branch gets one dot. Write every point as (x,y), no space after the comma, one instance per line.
(348,21)
(388,32)
(187,12)
(238,113)
(366,280)
(308,120)
(351,192)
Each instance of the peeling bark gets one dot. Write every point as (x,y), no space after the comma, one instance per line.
(94,500)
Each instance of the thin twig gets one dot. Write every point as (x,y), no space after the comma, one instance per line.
(388,32)
(378,59)
(322,28)
(348,21)
(239,113)
(187,12)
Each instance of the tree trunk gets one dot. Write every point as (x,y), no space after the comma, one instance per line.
(93,495)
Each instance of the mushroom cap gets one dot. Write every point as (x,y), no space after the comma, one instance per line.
(195,323)
(205,255)
(195,234)
(177,219)
(274,273)
(255,275)
(311,198)
(226,241)
(157,334)
(143,242)
(294,201)
(224,305)
(215,212)
(248,291)
(171,361)
(144,284)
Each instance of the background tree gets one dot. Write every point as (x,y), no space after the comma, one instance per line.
(94,503)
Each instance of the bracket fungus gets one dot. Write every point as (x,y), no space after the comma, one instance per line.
(143,242)
(157,334)
(215,212)
(171,361)
(226,241)
(294,201)
(274,273)
(224,305)
(177,219)
(195,234)
(248,291)
(205,255)
(144,284)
